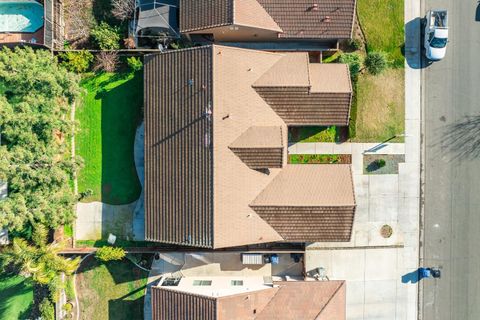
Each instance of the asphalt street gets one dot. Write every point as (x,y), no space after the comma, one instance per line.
(451,95)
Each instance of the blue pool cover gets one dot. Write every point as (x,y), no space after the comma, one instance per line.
(22,16)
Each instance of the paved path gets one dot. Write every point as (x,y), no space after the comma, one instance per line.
(97,219)
(452,174)
(139,212)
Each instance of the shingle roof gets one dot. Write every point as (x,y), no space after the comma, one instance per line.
(298,18)
(178,150)
(306,300)
(331,19)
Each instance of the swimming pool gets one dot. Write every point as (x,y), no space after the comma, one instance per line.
(20,16)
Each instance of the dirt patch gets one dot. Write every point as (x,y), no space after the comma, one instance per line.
(370,165)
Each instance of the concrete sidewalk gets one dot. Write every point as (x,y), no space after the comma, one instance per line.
(377,270)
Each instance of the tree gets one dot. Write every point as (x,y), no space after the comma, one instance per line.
(376,62)
(106,61)
(123,9)
(106,36)
(35,127)
(354,62)
(40,261)
(109,253)
(135,64)
(46,309)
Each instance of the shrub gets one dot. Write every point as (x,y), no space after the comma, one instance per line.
(106,61)
(380,163)
(109,253)
(355,44)
(376,62)
(85,194)
(354,62)
(46,310)
(106,36)
(135,64)
(68,307)
(76,61)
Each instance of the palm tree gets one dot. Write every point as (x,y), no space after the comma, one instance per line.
(41,261)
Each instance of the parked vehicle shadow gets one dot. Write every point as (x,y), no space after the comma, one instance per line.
(477,12)
(413,48)
(459,140)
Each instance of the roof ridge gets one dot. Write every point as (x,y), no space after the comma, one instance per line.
(279,288)
(330,299)
(180,50)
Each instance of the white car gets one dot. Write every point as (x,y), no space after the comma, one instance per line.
(436,34)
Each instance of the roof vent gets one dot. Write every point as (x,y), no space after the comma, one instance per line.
(314,7)
(190,82)
(327,19)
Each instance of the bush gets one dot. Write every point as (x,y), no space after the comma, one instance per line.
(135,64)
(376,62)
(85,194)
(106,61)
(46,310)
(106,36)
(380,163)
(76,61)
(109,253)
(68,307)
(355,44)
(354,62)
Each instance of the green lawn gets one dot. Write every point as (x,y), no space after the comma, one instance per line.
(383,24)
(16,297)
(380,113)
(113,290)
(312,134)
(109,113)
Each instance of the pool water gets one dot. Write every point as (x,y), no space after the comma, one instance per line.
(24,16)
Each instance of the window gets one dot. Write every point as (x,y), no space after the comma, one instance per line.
(202,282)
(236,282)
(171,282)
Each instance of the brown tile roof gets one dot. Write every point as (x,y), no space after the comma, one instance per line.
(292,19)
(306,300)
(304,93)
(260,147)
(175,305)
(205,14)
(298,18)
(309,203)
(313,185)
(251,13)
(198,104)
(178,150)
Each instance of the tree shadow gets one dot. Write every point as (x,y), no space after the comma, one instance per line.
(8,294)
(125,309)
(121,114)
(460,140)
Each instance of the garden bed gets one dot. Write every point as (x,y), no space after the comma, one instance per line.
(382,163)
(320,158)
(112,290)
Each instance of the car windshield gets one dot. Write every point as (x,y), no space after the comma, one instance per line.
(438,42)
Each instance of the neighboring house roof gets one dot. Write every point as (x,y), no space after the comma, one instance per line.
(206,131)
(292,19)
(324,300)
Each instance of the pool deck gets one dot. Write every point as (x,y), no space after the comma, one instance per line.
(12,37)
